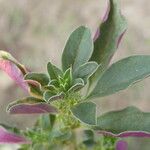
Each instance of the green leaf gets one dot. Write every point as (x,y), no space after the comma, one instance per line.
(68,74)
(128,119)
(42,78)
(85,112)
(50,88)
(49,96)
(62,135)
(108,37)
(77,85)
(46,121)
(78,49)
(67,78)
(35,91)
(35,88)
(27,100)
(122,74)
(85,71)
(54,82)
(53,71)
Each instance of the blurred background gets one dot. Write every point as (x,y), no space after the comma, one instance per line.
(35,32)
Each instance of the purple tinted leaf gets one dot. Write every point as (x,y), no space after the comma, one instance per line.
(126,134)
(35,88)
(41,78)
(107,38)
(97,34)
(11,138)
(104,18)
(32,109)
(7,56)
(129,120)
(13,71)
(30,105)
(120,38)
(109,34)
(33,83)
(121,145)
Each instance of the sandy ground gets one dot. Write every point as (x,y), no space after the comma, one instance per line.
(36,31)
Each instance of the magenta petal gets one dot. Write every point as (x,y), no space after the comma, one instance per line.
(11,138)
(32,109)
(12,70)
(126,134)
(121,145)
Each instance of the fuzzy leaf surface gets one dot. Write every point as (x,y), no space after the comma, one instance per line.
(128,119)
(30,105)
(85,112)
(77,85)
(122,74)
(78,49)
(53,71)
(49,96)
(108,37)
(42,78)
(85,71)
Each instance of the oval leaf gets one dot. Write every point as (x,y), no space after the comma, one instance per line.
(78,49)
(85,71)
(77,85)
(85,112)
(109,34)
(49,96)
(122,74)
(42,78)
(35,88)
(53,71)
(30,105)
(128,119)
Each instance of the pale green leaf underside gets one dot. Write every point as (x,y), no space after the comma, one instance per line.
(85,112)
(122,74)
(128,119)
(78,49)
